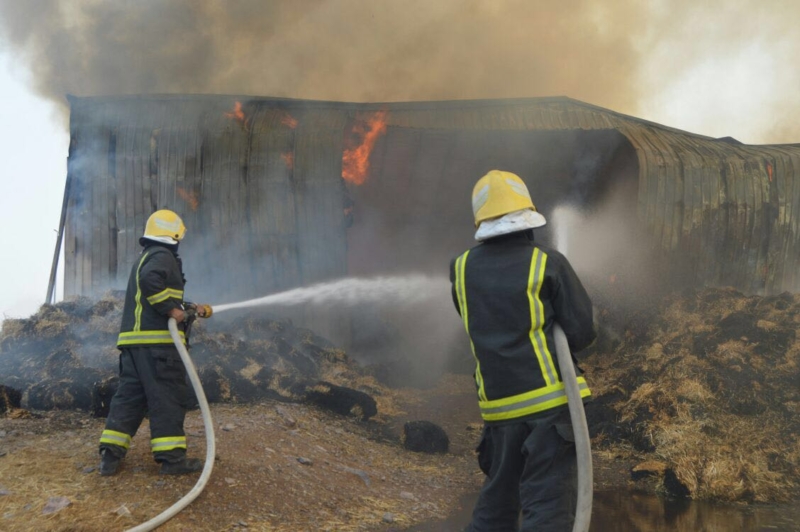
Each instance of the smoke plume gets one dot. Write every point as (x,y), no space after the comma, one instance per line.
(680,62)
(329,49)
(684,62)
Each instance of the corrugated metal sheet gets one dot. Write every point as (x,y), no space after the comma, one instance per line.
(271,195)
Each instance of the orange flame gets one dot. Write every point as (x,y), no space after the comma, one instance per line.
(189,198)
(289,121)
(288,159)
(237,114)
(355,161)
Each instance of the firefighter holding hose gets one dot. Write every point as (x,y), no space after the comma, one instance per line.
(509,291)
(152,376)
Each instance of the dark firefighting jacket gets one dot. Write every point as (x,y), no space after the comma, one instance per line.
(509,292)
(155,287)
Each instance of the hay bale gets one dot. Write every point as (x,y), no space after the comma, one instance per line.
(215,386)
(9,398)
(425,437)
(57,364)
(70,350)
(707,390)
(14,328)
(102,393)
(649,468)
(53,394)
(342,400)
(264,358)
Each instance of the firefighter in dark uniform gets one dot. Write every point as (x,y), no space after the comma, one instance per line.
(509,290)
(152,376)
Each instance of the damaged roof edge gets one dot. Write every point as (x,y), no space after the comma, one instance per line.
(404,106)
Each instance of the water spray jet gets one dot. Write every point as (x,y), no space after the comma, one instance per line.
(396,290)
(408,289)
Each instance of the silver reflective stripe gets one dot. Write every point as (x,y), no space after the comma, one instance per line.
(166,445)
(480,198)
(110,438)
(530,402)
(519,188)
(128,337)
(539,321)
(170,226)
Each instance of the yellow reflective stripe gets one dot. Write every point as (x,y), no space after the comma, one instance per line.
(138,311)
(115,438)
(538,340)
(529,402)
(461,263)
(461,295)
(147,337)
(149,333)
(168,443)
(164,295)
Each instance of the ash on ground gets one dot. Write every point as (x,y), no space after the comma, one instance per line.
(698,392)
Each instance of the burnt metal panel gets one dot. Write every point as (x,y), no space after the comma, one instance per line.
(728,213)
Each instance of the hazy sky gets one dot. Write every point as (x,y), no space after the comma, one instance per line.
(726,68)
(33,155)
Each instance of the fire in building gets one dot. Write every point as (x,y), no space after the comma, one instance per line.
(279,193)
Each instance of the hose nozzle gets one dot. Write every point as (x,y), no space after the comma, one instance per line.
(199,310)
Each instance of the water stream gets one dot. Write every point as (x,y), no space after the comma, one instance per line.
(618,511)
(391,291)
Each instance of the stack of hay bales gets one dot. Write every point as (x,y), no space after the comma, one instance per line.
(708,386)
(55,356)
(65,357)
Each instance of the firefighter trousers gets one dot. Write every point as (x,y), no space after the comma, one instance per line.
(530,467)
(152,381)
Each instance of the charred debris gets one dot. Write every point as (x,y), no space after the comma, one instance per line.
(64,357)
(698,392)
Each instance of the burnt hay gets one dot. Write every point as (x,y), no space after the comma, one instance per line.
(708,384)
(425,437)
(9,398)
(65,357)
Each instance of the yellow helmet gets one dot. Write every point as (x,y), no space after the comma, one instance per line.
(163,226)
(497,194)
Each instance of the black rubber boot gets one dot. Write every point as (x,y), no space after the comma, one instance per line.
(183,467)
(109,464)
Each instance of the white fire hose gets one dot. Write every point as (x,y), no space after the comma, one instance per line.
(173,510)
(583,512)
(583,444)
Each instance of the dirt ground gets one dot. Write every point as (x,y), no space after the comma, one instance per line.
(279,467)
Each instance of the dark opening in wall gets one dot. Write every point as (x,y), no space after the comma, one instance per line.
(415,214)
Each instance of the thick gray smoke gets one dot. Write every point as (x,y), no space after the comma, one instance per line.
(329,49)
(633,57)
(613,54)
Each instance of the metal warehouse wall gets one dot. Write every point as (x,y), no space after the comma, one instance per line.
(722,212)
(264,200)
